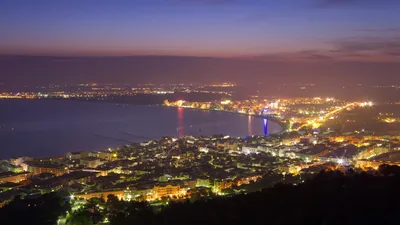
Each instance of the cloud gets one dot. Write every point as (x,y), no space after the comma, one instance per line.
(336,2)
(369,45)
(380,31)
(358,49)
(327,3)
(300,56)
(394,53)
(207,2)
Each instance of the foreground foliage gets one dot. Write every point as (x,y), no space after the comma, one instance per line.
(330,198)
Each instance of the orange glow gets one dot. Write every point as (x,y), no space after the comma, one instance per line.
(180,128)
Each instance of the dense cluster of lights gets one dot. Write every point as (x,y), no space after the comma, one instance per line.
(101,91)
(300,111)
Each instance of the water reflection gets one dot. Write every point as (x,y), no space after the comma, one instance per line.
(215,127)
(180,130)
(265,127)
(250,125)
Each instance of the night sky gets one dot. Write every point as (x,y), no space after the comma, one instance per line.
(219,39)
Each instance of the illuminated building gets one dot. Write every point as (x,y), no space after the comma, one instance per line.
(106,156)
(102,194)
(13,177)
(370,152)
(246,180)
(73,155)
(251,149)
(166,190)
(38,168)
(220,184)
(90,162)
(225,102)
(349,139)
(203,182)
(312,153)
(390,158)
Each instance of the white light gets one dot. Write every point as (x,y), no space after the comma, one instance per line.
(340,161)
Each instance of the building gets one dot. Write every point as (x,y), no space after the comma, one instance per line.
(166,190)
(203,182)
(38,168)
(250,149)
(191,184)
(102,194)
(348,139)
(313,153)
(109,156)
(13,177)
(220,184)
(73,155)
(90,162)
(343,155)
(389,158)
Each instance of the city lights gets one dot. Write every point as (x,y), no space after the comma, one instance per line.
(200,112)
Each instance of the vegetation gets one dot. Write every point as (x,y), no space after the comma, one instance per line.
(35,210)
(330,198)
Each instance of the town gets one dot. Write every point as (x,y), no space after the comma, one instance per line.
(198,167)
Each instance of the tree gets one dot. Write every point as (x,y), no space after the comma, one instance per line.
(112,200)
(42,210)
(93,202)
(388,170)
(79,218)
(134,213)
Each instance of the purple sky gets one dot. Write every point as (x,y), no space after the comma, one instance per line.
(349,30)
(216,40)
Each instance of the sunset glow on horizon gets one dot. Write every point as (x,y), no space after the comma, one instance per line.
(272,30)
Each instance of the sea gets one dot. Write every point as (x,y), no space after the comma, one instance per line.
(44,128)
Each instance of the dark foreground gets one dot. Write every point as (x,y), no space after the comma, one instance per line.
(330,198)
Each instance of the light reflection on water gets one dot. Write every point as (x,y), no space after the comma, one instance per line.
(250,125)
